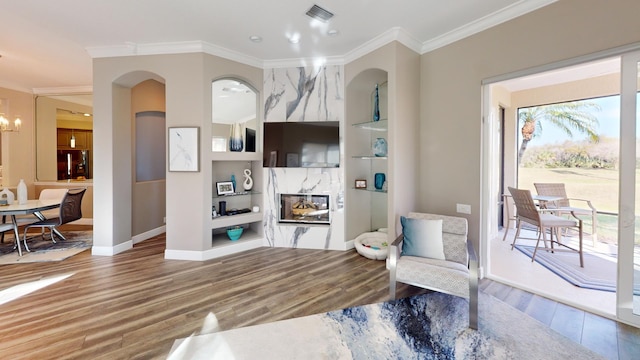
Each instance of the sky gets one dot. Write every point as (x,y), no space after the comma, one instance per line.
(608,118)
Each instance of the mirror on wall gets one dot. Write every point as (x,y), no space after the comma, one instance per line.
(64,137)
(234,120)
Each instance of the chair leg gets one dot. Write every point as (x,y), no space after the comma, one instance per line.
(392,283)
(594,228)
(52,238)
(544,236)
(26,247)
(518,225)
(580,243)
(473,297)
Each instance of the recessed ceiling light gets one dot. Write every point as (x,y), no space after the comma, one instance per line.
(294,39)
(255,38)
(333,32)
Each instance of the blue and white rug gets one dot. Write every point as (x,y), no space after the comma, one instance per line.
(599,272)
(430,326)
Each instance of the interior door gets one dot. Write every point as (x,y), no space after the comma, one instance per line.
(628,304)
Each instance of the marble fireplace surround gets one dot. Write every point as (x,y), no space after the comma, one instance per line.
(314,93)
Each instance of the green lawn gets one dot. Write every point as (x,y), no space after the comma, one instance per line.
(600,186)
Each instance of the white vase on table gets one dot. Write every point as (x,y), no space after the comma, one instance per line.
(8,195)
(22,192)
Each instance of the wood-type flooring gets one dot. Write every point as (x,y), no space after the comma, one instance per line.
(135,304)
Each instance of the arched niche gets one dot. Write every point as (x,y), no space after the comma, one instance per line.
(233,102)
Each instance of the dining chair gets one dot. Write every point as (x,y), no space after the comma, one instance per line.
(565,206)
(45,194)
(4,227)
(70,210)
(544,220)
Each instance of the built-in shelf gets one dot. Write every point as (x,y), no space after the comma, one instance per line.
(236,156)
(233,220)
(372,190)
(380,125)
(370,157)
(222,240)
(239,194)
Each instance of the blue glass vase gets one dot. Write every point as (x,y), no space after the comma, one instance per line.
(380,147)
(378,180)
(376,105)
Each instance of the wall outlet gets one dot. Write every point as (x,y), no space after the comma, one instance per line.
(463,208)
(164,220)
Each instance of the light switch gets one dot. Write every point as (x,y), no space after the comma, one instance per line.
(463,208)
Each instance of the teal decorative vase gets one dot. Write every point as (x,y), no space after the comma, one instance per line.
(380,147)
(378,180)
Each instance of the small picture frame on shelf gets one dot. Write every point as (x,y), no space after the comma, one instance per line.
(361,184)
(224,187)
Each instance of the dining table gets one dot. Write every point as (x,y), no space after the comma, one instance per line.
(34,207)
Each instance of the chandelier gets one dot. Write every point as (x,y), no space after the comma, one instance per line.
(5,126)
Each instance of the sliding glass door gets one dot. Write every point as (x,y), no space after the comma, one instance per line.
(628,305)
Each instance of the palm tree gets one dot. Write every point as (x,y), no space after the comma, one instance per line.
(568,116)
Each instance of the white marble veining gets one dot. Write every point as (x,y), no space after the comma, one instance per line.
(304,94)
(429,326)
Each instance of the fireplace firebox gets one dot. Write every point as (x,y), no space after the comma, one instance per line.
(305,209)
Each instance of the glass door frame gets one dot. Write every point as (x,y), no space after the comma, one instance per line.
(627,195)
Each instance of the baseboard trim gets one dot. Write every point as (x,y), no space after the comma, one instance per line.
(149,234)
(111,250)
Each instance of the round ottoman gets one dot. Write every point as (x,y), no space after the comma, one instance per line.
(372,245)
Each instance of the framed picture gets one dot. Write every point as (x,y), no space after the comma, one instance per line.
(292,160)
(224,187)
(361,184)
(218,143)
(184,146)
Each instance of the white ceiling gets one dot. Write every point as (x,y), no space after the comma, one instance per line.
(47,46)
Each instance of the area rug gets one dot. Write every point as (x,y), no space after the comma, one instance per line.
(46,250)
(429,326)
(599,272)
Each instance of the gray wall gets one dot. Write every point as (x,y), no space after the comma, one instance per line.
(450,129)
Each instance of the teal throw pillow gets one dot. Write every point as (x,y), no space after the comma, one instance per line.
(422,238)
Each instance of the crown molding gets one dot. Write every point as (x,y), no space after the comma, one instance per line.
(304,62)
(503,15)
(64,90)
(184,47)
(394,34)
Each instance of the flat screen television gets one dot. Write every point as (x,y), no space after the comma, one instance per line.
(304,144)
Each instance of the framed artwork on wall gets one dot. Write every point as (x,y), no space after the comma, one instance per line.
(184,148)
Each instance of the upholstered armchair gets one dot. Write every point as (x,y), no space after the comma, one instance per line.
(449,265)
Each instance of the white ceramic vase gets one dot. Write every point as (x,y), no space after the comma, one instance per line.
(22,192)
(7,194)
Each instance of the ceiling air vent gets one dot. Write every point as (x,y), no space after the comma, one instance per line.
(319,13)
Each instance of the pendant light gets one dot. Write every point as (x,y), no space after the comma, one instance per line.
(73,140)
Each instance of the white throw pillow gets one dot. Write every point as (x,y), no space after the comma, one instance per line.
(422,238)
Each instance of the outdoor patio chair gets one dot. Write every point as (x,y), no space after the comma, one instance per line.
(565,206)
(451,269)
(544,220)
